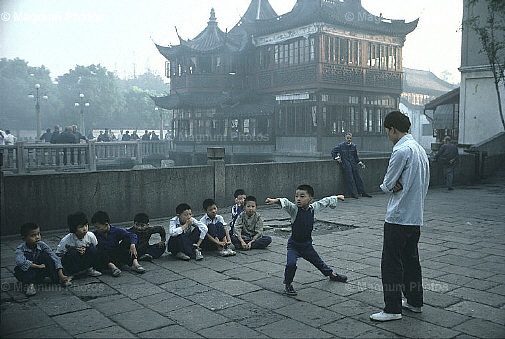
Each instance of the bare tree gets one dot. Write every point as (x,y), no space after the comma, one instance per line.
(491,33)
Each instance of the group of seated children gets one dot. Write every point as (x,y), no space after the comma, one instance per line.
(82,252)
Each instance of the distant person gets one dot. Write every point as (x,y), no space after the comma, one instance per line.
(237,208)
(406,180)
(119,136)
(116,243)
(126,136)
(249,228)
(46,136)
(67,136)
(90,135)
(346,154)
(135,136)
(300,242)
(146,251)
(447,155)
(35,260)
(79,136)
(56,135)
(146,136)
(186,234)
(2,137)
(217,236)
(9,138)
(154,136)
(77,249)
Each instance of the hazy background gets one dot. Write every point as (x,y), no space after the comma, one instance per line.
(120,34)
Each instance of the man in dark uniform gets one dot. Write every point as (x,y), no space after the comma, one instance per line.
(347,156)
(447,155)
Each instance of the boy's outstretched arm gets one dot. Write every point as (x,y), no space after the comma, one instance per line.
(270,201)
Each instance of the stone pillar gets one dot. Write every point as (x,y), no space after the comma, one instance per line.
(91,156)
(20,157)
(215,158)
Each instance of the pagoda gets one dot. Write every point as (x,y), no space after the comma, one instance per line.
(289,84)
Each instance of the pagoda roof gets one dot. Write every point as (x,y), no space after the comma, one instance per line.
(424,82)
(346,13)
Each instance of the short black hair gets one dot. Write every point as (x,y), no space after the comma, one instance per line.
(397,120)
(100,217)
(26,228)
(238,192)
(75,220)
(207,203)
(249,198)
(181,208)
(307,188)
(141,218)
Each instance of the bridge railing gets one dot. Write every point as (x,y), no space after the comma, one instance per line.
(32,157)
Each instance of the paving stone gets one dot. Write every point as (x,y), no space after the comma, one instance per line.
(108,332)
(268,299)
(196,317)
(93,291)
(347,327)
(204,275)
(135,321)
(163,306)
(416,328)
(310,314)
(61,305)
(479,296)
(111,305)
(135,291)
(482,329)
(173,331)
(230,330)
(289,328)
(234,287)
(14,318)
(87,320)
(185,287)
(214,300)
(481,311)
(51,331)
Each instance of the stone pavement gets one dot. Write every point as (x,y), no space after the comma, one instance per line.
(462,249)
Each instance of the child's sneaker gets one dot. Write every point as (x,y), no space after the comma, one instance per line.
(67,283)
(30,290)
(182,256)
(290,290)
(198,254)
(411,308)
(146,257)
(93,273)
(231,252)
(224,253)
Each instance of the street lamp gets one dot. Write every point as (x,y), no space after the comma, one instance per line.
(82,104)
(37,106)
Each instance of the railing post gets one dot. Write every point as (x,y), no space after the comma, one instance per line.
(139,152)
(92,156)
(20,157)
(215,158)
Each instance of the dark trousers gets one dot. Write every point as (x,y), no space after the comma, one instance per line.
(184,242)
(154,251)
(215,230)
(119,255)
(260,243)
(448,175)
(74,262)
(306,251)
(36,275)
(351,176)
(400,268)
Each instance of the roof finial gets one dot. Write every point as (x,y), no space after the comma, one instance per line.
(212,15)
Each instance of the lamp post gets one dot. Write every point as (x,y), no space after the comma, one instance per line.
(82,104)
(37,106)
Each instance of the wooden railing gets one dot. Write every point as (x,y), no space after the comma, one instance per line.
(31,157)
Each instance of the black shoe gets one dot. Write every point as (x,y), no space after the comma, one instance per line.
(338,277)
(290,290)
(450,189)
(354,196)
(366,195)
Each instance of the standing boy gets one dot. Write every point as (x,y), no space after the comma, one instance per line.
(406,180)
(447,155)
(143,231)
(186,234)
(36,260)
(77,249)
(249,228)
(116,243)
(300,241)
(217,235)
(237,208)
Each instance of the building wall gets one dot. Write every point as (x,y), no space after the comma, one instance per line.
(47,199)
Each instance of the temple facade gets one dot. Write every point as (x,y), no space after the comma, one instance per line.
(287,85)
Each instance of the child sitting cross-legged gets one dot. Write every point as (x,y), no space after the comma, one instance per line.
(249,228)
(217,235)
(145,251)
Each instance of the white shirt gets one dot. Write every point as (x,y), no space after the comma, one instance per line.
(71,240)
(207,220)
(408,165)
(175,227)
(10,139)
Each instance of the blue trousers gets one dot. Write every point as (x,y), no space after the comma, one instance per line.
(74,262)
(215,230)
(154,250)
(119,255)
(400,267)
(351,176)
(184,242)
(306,251)
(36,275)
(259,243)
